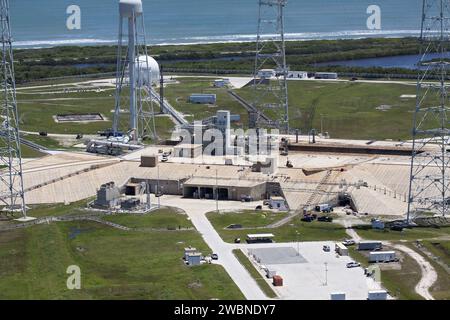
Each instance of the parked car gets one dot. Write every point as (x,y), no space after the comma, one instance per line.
(325,219)
(326,248)
(353,264)
(348,242)
(266,202)
(308,219)
(43,133)
(237,240)
(397,228)
(258,207)
(214,256)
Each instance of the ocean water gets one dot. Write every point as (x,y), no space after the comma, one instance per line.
(404,61)
(38,23)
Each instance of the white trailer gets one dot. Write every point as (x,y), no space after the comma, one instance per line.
(382,256)
(377,295)
(341,249)
(270,273)
(370,245)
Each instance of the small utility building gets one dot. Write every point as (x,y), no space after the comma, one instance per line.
(278,203)
(260,238)
(207,98)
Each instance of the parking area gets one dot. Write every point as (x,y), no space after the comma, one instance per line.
(310,273)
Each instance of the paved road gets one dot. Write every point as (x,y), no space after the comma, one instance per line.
(196,210)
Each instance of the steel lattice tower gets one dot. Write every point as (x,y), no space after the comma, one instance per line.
(430,174)
(271,53)
(11,187)
(136,102)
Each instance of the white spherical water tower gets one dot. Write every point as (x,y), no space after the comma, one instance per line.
(147,71)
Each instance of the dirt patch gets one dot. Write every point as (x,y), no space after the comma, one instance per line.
(384,107)
(195,285)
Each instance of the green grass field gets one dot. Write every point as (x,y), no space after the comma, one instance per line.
(178,96)
(114,264)
(246,218)
(37,110)
(349,108)
(308,231)
(440,290)
(440,249)
(343,109)
(407,234)
(164,218)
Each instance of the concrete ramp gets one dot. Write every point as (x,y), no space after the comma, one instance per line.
(377,203)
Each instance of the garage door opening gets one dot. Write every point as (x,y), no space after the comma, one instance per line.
(190,192)
(206,193)
(223,194)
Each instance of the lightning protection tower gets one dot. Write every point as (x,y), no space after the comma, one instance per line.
(430,175)
(271,71)
(133,85)
(11,185)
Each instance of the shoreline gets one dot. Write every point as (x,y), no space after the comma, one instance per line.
(231,39)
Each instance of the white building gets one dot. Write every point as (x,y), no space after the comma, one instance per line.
(382,256)
(203,98)
(220,83)
(297,75)
(326,75)
(278,203)
(223,124)
(266,73)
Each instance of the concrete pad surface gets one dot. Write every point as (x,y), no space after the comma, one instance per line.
(323,273)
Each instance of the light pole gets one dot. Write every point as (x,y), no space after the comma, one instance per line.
(321,125)
(298,243)
(157,192)
(326,273)
(217,194)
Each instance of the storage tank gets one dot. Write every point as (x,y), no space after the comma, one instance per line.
(147,71)
(129,7)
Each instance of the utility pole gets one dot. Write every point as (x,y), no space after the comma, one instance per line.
(158,194)
(11,178)
(321,125)
(429,175)
(217,194)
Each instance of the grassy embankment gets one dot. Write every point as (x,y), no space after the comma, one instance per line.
(114,264)
(38,108)
(262,283)
(255,223)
